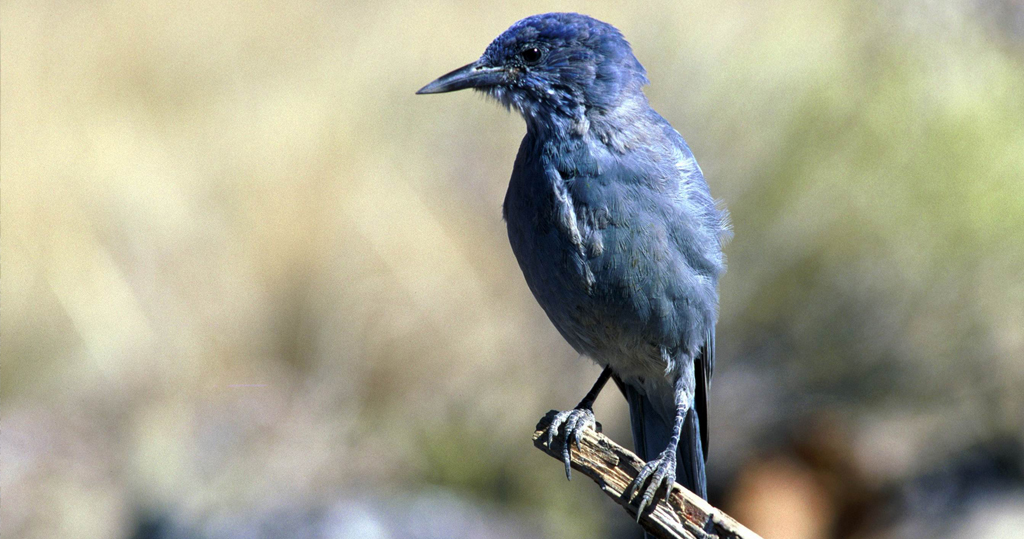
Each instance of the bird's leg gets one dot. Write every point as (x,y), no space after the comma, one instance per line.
(577,419)
(662,470)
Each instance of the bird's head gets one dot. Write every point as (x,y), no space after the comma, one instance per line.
(553,66)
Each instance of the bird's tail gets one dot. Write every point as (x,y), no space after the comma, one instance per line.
(651,435)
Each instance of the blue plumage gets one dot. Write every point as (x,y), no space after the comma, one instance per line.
(614,228)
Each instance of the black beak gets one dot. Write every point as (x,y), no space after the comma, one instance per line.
(473,75)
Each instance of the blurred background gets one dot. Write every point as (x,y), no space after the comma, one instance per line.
(254,287)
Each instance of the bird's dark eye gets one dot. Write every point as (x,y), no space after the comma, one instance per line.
(530,55)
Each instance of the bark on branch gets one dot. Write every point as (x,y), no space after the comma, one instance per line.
(613,467)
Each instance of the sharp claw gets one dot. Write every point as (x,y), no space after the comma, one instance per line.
(570,427)
(573,422)
(640,511)
(652,489)
(659,471)
(553,427)
(641,477)
(567,460)
(647,497)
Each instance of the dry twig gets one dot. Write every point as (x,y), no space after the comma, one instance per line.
(613,467)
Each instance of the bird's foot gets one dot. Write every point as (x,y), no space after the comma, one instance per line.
(574,421)
(661,470)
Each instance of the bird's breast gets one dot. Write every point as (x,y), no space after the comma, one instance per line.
(551,240)
(578,277)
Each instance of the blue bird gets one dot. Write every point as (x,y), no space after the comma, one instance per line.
(615,230)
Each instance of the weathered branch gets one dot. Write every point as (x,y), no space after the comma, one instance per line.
(613,467)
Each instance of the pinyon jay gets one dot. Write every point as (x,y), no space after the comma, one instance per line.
(615,231)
